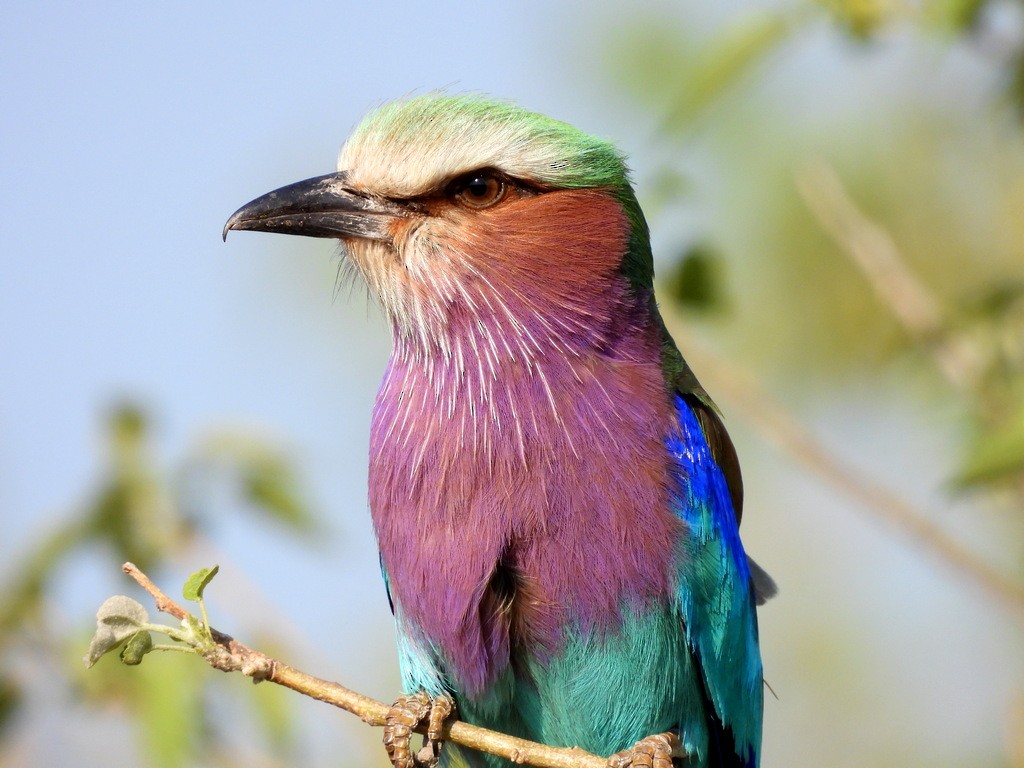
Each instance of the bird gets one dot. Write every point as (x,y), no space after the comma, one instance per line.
(554,495)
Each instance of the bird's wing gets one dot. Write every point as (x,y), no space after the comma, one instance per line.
(724,455)
(719,443)
(387,584)
(716,591)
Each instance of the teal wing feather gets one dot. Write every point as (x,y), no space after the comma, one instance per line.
(715,589)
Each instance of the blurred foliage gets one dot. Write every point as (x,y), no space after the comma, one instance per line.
(686,75)
(997,455)
(741,45)
(861,18)
(140,514)
(905,164)
(697,281)
(271,704)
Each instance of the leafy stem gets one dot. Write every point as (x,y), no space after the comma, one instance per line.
(122,622)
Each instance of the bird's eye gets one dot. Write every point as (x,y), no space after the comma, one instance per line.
(480,190)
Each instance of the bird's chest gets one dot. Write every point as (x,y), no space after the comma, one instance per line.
(512,522)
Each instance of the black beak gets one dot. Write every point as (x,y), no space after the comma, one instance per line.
(319,207)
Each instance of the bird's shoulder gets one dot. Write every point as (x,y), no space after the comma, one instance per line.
(692,396)
(702,411)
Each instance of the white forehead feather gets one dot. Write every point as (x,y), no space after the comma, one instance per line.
(412,147)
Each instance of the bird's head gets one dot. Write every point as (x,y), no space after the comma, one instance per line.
(477,221)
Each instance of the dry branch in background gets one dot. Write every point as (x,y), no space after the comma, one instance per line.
(872,249)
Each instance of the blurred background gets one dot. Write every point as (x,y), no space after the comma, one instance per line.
(835,191)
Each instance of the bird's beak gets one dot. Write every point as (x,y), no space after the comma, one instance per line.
(320,207)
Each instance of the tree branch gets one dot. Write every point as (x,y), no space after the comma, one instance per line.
(229,655)
(873,250)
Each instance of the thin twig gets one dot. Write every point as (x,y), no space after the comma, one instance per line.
(233,656)
(776,425)
(873,250)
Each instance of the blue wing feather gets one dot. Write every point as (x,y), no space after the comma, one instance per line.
(716,596)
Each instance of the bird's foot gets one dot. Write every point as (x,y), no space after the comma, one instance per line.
(409,712)
(652,752)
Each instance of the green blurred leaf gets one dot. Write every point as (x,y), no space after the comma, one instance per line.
(164,702)
(665,191)
(117,619)
(266,478)
(697,282)
(273,705)
(196,583)
(729,57)
(1015,86)
(997,300)
(862,18)
(171,710)
(21,597)
(10,701)
(134,510)
(997,455)
(663,64)
(128,425)
(649,57)
(953,15)
(272,489)
(138,645)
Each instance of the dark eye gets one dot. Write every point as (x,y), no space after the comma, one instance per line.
(480,190)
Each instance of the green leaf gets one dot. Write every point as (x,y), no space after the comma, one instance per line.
(696,282)
(171,713)
(10,702)
(862,18)
(138,645)
(997,455)
(24,593)
(193,589)
(274,708)
(263,475)
(954,16)
(117,619)
(734,53)
(271,488)
(134,511)
(128,423)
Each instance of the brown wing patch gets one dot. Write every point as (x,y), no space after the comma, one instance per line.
(722,449)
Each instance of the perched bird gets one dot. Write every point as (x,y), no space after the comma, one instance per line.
(554,496)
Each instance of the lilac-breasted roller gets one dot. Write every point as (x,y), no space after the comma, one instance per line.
(555,498)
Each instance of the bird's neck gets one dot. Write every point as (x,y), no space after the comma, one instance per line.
(520,342)
(514,393)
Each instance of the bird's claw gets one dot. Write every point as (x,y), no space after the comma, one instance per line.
(407,713)
(652,752)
